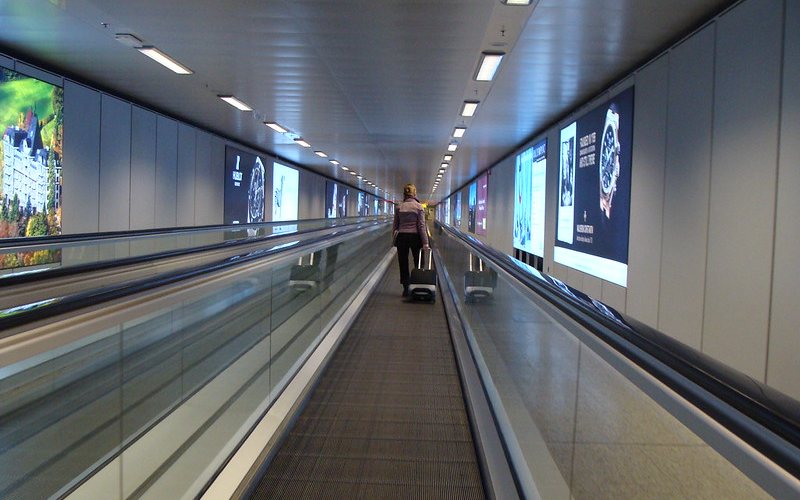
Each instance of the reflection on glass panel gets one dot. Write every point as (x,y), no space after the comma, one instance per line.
(157,401)
(585,430)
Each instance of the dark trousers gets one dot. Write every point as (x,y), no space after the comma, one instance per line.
(406,242)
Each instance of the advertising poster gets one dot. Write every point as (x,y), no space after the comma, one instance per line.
(285,196)
(482,204)
(331,192)
(457,211)
(285,192)
(594,184)
(447,211)
(335,200)
(529,199)
(472,202)
(245,178)
(32,124)
(376,206)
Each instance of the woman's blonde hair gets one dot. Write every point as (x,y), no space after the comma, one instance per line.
(409,190)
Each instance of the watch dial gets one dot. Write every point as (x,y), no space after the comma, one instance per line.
(608,159)
(255,195)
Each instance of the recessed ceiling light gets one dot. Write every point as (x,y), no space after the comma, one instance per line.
(452,147)
(345,168)
(443,166)
(359,177)
(164,60)
(301,142)
(320,154)
(277,128)
(236,103)
(469,108)
(459,131)
(130,40)
(516,2)
(353,172)
(334,162)
(488,65)
(448,157)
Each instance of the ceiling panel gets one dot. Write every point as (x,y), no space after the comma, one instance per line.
(377,85)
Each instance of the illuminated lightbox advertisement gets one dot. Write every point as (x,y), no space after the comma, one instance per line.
(447,211)
(32,123)
(376,206)
(457,211)
(245,191)
(482,204)
(594,186)
(472,202)
(285,196)
(529,199)
(335,200)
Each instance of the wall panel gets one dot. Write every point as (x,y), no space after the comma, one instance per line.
(216,187)
(115,164)
(500,217)
(312,196)
(647,190)
(187,162)
(743,177)
(783,370)
(204,204)
(81,174)
(166,172)
(686,188)
(143,169)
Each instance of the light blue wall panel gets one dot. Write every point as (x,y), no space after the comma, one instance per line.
(143,169)
(204,205)
(41,74)
(217,181)
(647,190)
(783,371)
(166,172)
(81,173)
(743,179)
(115,164)
(686,189)
(500,206)
(187,162)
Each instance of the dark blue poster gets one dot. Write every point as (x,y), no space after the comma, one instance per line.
(245,179)
(594,190)
(472,202)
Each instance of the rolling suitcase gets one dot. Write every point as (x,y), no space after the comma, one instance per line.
(479,281)
(304,276)
(422,282)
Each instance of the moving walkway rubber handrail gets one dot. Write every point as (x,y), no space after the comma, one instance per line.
(25,278)
(19,316)
(689,372)
(12,243)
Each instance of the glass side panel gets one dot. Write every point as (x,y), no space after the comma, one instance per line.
(55,254)
(584,429)
(151,399)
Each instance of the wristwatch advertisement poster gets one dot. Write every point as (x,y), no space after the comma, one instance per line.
(594,189)
(245,187)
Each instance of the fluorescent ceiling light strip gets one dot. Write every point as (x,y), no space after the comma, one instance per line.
(345,168)
(516,2)
(469,108)
(448,157)
(164,60)
(236,103)
(303,143)
(459,131)
(452,147)
(490,61)
(320,154)
(443,166)
(277,128)
(334,162)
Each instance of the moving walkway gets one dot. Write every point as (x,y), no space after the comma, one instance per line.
(226,381)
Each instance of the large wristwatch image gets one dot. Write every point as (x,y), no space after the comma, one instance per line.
(255,194)
(609,160)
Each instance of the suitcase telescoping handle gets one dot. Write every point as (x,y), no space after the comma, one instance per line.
(430,260)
